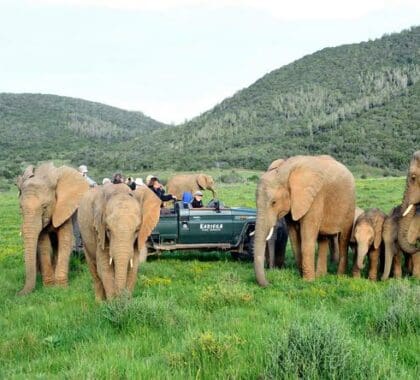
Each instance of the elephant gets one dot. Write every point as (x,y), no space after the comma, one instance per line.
(48,198)
(316,194)
(367,234)
(411,200)
(115,223)
(181,183)
(393,252)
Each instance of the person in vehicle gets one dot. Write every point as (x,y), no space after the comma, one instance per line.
(198,200)
(83,170)
(158,189)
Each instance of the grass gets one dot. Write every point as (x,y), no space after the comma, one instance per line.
(201,315)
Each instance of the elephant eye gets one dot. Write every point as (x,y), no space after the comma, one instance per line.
(273,203)
(413,177)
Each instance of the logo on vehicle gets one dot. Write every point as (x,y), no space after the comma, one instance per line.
(211,227)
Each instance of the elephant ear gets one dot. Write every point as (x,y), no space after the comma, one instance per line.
(98,218)
(202,181)
(378,226)
(304,186)
(150,213)
(69,190)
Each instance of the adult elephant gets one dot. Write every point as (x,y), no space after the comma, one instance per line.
(317,196)
(181,183)
(48,198)
(115,223)
(409,205)
(367,234)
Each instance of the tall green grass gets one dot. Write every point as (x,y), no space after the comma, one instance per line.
(201,315)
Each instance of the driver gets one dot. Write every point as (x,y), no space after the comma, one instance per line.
(198,200)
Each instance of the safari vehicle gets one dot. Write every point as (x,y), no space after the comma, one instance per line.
(210,227)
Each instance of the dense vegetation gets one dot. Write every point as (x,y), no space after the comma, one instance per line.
(356,102)
(201,315)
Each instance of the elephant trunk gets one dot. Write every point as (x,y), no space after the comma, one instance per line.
(31,229)
(404,225)
(362,250)
(262,230)
(121,253)
(390,251)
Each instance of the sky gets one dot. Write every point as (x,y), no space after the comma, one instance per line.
(174,59)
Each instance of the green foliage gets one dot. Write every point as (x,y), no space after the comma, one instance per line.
(358,103)
(201,315)
(319,347)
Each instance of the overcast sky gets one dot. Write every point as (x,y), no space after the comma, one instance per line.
(174,59)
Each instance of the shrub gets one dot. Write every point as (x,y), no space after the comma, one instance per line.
(319,348)
(232,177)
(124,311)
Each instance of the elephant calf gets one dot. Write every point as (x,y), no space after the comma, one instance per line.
(115,223)
(181,183)
(367,234)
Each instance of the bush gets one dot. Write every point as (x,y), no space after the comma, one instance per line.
(124,312)
(232,177)
(319,348)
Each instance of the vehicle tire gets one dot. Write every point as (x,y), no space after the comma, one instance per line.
(248,254)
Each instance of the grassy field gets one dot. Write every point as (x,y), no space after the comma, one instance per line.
(201,315)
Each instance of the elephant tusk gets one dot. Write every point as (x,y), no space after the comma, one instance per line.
(408,210)
(252,233)
(110,261)
(270,234)
(131,263)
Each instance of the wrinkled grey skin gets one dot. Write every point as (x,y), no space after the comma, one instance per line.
(409,205)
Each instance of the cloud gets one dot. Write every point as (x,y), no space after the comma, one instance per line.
(283,10)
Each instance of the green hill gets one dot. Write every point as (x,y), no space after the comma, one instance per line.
(35,127)
(358,102)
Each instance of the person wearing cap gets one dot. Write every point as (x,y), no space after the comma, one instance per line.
(198,200)
(149,178)
(158,189)
(83,170)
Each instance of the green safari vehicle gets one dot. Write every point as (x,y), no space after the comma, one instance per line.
(208,228)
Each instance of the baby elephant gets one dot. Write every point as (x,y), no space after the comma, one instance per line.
(367,233)
(115,223)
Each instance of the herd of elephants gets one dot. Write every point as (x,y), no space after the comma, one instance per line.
(316,196)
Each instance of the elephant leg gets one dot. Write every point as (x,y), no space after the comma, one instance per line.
(373,264)
(321,267)
(65,244)
(334,249)
(309,233)
(106,272)
(355,270)
(45,252)
(132,274)
(397,272)
(416,265)
(97,283)
(296,246)
(343,244)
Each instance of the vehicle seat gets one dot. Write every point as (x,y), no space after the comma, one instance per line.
(187,199)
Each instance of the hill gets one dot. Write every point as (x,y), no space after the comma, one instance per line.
(35,127)
(356,102)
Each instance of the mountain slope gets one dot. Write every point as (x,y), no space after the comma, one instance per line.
(322,103)
(35,127)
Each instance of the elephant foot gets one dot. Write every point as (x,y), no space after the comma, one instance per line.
(356,274)
(62,282)
(48,281)
(25,291)
(321,273)
(372,278)
(384,278)
(309,277)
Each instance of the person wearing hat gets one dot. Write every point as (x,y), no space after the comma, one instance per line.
(198,200)
(83,170)
(158,189)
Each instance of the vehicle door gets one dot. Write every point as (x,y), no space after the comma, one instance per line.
(206,225)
